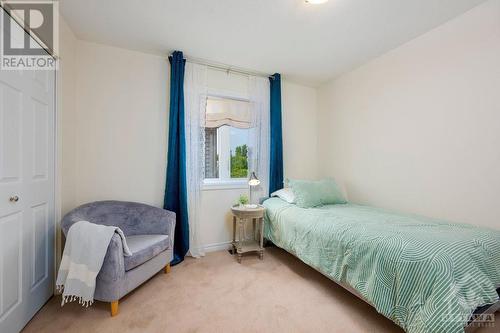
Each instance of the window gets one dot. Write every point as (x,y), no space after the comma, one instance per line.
(211,153)
(227,129)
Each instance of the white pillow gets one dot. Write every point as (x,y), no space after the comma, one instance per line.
(285,194)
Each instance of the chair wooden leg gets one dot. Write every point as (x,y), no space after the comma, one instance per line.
(167,268)
(114,308)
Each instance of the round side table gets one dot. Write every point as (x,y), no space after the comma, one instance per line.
(241,215)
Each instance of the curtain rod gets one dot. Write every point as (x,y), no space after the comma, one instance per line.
(226,68)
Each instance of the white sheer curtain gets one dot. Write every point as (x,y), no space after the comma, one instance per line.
(195,98)
(195,102)
(259,94)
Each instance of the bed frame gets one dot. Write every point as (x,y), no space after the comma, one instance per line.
(479,317)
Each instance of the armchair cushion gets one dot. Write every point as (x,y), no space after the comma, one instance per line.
(144,248)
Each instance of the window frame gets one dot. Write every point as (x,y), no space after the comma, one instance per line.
(225,183)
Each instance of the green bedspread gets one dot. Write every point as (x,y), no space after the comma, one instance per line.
(424,274)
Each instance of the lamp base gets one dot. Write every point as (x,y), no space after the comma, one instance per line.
(251,206)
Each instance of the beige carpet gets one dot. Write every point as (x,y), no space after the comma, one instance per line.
(216,294)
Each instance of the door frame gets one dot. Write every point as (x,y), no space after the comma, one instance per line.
(57,171)
(57,145)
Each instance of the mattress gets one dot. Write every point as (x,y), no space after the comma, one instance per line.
(425,274)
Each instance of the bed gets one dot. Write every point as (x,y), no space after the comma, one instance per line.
(424,274)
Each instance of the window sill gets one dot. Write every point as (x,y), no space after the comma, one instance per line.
(216,184)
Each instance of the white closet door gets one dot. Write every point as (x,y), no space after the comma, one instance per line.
(27,217)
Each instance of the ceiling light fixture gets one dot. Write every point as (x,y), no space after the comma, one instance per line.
(315,2)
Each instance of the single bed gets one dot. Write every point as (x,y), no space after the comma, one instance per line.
(424,274)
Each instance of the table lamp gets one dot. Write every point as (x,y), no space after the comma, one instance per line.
(252,182)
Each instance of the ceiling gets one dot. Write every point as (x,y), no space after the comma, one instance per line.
(309,44)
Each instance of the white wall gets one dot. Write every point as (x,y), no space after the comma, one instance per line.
(300,132)
(418,129)
(66,116)
(116,139)
(121,125)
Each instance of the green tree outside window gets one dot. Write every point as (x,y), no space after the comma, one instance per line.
(239,162)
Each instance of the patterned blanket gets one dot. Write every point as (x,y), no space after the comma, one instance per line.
(424,274)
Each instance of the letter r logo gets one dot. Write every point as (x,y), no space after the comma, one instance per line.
(36,17)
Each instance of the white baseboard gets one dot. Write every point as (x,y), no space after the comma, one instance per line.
(217,246)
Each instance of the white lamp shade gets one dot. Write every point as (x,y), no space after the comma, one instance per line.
(253,181)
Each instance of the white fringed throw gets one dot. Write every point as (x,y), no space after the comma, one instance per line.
(84,252)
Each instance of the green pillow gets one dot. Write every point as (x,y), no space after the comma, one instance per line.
(313,193)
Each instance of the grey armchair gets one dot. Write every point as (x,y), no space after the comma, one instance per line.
(149,232)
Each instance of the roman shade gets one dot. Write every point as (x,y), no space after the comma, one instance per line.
(224,111)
